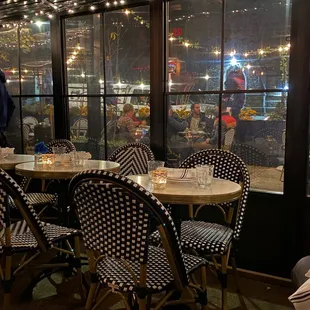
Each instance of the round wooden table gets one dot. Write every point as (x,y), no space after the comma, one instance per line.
(11,161)
(63,172)
(188,193)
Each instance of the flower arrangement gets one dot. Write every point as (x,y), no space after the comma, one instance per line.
(40,148)
(83,110)
(247,114)
(183,113)
(144,112)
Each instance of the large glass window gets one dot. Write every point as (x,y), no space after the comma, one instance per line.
(108,100)
(240,71)
(25,58)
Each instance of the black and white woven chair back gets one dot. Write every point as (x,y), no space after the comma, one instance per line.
(9,188)
(276,133)
(133,158)
(115,214)
(251,155)
(61,143)
(227,166)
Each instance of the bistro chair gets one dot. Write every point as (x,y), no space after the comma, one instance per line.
(214,239)
(115,215)
(251,155)
(79,128)
(229,139)
(275,133)
(61,143)
(133,158)
(23,242)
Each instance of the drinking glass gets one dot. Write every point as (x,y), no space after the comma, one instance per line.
(204,175)
(58,151)
(159,178)
(153,165)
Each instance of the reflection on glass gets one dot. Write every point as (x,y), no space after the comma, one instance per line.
(256,44)
(37,122)
(83,55)
(127,51)
(13,132)
(36,59)
(9,57)
(194,46)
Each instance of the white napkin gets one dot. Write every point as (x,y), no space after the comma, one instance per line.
(301,298)
(173,173)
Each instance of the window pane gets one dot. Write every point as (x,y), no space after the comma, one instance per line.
(9,58)
(83,53)
(194,45)
(38,121)
(13,132)
(127,51)
(128,120)
(86,124)
(191,127)
(257,44)
(35,58)
(259,138)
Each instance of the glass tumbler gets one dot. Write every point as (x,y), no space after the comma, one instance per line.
(159,178)
(153,165)
(58,151)
(204,175)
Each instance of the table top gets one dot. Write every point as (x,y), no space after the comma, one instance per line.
(11,161)
(63,172)
(188,193)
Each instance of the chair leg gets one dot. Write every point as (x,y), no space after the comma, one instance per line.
(236,279)
(90,297)
(204,287)
(149,302)
(223,280)
(142,303)
(77,251)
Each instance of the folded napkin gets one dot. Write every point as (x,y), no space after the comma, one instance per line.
(301,298)
(173,173)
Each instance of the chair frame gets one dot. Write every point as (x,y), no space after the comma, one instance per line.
(221,268)
(168,234)
(8,187)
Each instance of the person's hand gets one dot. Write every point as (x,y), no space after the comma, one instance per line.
(208,141)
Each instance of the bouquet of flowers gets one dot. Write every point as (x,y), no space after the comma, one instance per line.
(247,114)
(144,112)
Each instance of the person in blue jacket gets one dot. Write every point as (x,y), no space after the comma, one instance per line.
(7,108)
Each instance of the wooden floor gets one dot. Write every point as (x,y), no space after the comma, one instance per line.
(65,296)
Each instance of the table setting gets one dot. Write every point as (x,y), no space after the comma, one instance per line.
(187,186)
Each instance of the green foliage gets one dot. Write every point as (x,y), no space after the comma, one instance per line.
(279,113)
(74,111)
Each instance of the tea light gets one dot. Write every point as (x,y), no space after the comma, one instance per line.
(48,159)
